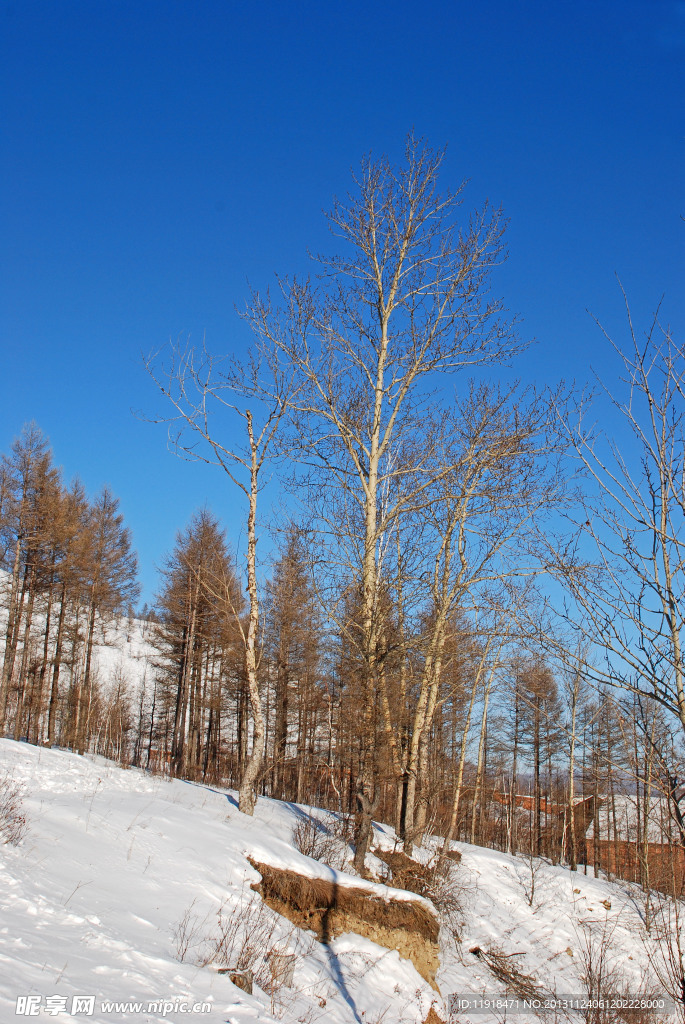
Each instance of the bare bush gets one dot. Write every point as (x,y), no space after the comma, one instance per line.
(326,841)
(13,822)
(601,972)
(247,937)
(309,837)
(606,984)
(530,875)
(666,955)
(245,933)
(187,933)
(445,893)
(436,880)
(503,966)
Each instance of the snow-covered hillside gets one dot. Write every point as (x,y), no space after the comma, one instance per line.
(122,648)
(124,881)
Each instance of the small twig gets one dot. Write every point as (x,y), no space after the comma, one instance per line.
(80,885)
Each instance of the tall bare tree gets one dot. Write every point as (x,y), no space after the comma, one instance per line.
(626,576)
(26,474)
(402,307)
(199,607)
(480,518)
(293,646)
(202,389)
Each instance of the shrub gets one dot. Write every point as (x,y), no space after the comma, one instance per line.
(605,981)
(328,842)
(13,822)
(247,938)
(435,880)
(533,880)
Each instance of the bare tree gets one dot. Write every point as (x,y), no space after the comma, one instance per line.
(480,518)
(109,586)
(25,473)
(573,687)
(626,574)
(403,306)
(256,395)
(67,561)
(293,646)
(197,637)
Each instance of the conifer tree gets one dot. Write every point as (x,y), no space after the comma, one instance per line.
(27,472)
(109,585)
(199,608)
(293,641)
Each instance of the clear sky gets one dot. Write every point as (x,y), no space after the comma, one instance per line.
(158,156)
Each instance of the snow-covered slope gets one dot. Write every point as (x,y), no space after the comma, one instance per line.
(94,900)
(123,648)
(124,880)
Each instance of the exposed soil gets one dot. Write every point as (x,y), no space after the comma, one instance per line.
(433,1018)
(329,910)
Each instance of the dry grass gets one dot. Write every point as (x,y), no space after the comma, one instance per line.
(245,940)
(503,967)
(604,978)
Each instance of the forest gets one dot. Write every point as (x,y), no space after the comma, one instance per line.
(468,622)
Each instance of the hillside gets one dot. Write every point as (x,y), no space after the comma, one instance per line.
(123,882)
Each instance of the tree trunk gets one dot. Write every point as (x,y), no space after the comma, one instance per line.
(84,695)
(25,654)
(37,704)
(281,723)
(456,796)
(247,795)
(57,662)
(481,760)
(12,632)
(571,829)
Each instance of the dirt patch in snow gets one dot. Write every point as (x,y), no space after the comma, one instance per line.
(330,909)
(433,1018)
(407,873)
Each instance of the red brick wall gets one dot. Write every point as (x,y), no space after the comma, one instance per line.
(666,863)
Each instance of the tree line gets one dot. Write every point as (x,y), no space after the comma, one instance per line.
(68,568)
(515,747)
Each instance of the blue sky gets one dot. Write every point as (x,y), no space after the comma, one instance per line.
(159,156)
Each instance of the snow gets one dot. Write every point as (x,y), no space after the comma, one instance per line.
(114,859)
(93,901)
(123,649)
